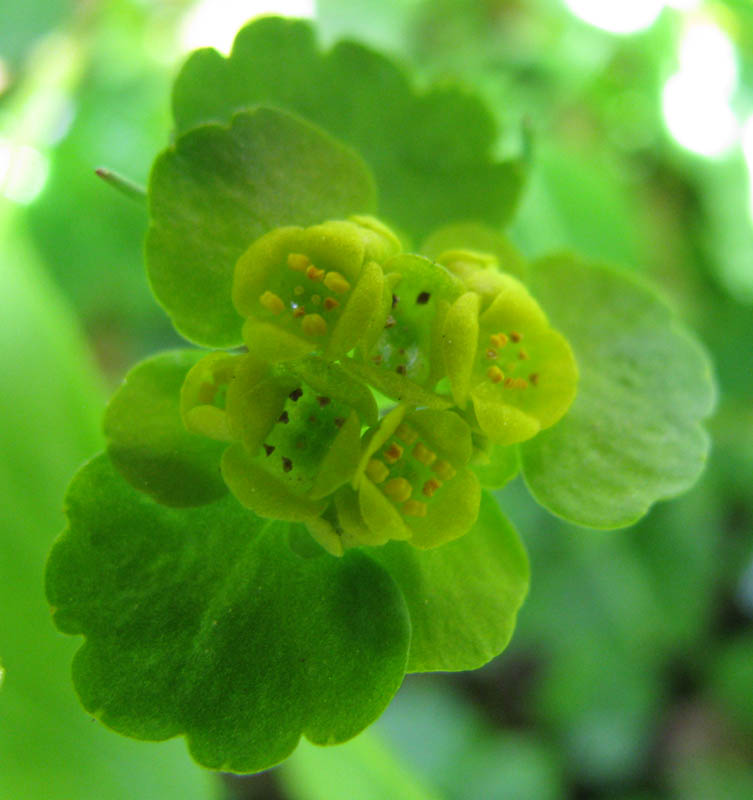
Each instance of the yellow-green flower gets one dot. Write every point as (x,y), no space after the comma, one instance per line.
(319,289)
(508,369)
(412,482)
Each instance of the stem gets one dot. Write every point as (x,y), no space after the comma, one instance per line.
(122,184)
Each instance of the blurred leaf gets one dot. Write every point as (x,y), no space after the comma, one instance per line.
(431,153)
(462,597)
(220,188)
(364,769)
(50,404)
(732,677)
(148,443)
(203,621)
(633,435)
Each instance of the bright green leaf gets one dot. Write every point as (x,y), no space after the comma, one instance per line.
(431,153)
(204,622)
(149,444)
(633,435)
(463,597)
(219,188)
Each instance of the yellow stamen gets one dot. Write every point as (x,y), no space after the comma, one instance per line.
(515,336)
(298,261)
(377,471)
(299,312)
(495,374)
(444,469)
(431,486)
(314,325)
(498,339)
(522,355)
(422,453)
(330,303)
(272,302)
(393,453)
(534,378)
(398,490)
(516,383)
(336,283)
(314,273)
(406,433)
(414,508)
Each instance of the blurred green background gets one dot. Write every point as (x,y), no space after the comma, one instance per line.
(630,675)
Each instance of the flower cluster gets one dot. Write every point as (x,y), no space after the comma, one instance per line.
(373,381)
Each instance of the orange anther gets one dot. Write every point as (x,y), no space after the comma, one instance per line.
(299,312)
(330,303)
(431,486)
(491,353)
(495,374)
(314,273)
(534,378)
(523,356)
(515,336)
(393,453)
(498,339)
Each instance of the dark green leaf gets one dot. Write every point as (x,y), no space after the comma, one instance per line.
(220,188)
(633,435)
(463,597)
(204,622)
(148,443)
(431,153)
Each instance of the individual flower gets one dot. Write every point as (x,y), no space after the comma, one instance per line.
(405,360)
(412,482)
(319,289)
(294,429)
(508,369)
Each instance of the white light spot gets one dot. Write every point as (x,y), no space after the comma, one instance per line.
(23,172)
(707,56)
(685,5)
(617,16)
(700,121)
(214,23)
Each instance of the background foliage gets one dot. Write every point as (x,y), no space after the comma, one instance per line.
(629,674)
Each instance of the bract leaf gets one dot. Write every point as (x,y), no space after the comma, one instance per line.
(147,441)
(462,597)
(633,435)
(364,99)
(265,170)
(205,622)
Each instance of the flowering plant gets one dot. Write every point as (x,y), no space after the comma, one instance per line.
(284,526)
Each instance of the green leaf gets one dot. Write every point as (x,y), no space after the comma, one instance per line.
(633,435)
(462,597)
(221,187)
(148,443)
(204,622)
(431,153)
